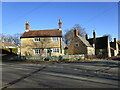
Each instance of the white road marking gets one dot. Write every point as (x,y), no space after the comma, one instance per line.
(65,64)
(75,69)
(22,68)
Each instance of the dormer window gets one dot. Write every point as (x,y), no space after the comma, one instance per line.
(55,38)
(37,39)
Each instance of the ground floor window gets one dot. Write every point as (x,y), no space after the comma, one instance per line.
(37,51)
(56,50)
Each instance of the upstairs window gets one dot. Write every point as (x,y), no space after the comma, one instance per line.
(55,38)
(76,44)
(56,50)
(37,39)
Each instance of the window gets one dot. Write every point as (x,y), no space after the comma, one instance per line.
(94,45)
(37,51)
(36,39)
(56,50)
(76,44)
(55,38)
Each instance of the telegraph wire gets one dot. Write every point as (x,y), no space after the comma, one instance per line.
(104,12)
(26,14)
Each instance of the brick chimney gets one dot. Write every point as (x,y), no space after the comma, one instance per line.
(94,34)
(27,27)
(86,36)
(60,24)
(75,32)
(115,40)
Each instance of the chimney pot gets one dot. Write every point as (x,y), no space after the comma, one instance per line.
(27,26)
(86,36)
(94,34)
(115,40)
(75,32)
(60,24)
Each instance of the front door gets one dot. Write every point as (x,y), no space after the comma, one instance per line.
(48,52)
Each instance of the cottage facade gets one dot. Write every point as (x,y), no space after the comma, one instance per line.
(41,42)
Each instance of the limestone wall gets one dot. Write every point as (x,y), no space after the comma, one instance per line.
(28,44)
(91,51)
(81,49)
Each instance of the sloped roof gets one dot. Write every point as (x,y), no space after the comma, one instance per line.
(100,42)
(112,48)
(5,44)
(118,42)
(84,41)
(42,33)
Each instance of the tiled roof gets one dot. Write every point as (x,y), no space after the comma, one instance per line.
(5,44)
(118,42)
(42,33)
(84,41)
(101,42)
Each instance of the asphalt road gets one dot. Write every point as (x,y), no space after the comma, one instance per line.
(95,74)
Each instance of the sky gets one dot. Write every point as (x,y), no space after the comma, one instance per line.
(99,16)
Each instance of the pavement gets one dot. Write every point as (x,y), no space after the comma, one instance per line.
(94,74)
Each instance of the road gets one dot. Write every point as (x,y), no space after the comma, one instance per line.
(95,74)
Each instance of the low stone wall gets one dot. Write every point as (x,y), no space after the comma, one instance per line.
(51,58)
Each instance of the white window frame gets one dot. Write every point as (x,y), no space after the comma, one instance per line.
(36,39)
(37,51)
(56,50)
(93,45)
(54,38)
(76,44)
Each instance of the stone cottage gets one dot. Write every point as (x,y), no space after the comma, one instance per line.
(41,42)
(80,45)
(101,45)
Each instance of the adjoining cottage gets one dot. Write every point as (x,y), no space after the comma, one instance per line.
(79,45)
(41,42)
(103,46)
(10,47)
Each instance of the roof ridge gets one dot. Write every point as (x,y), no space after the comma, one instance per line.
(85,41)
(36,33)
(44,30)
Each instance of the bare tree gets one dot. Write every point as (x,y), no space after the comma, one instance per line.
(2,37)
(81,30)
(69,34)
(16,39)
(11,38)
